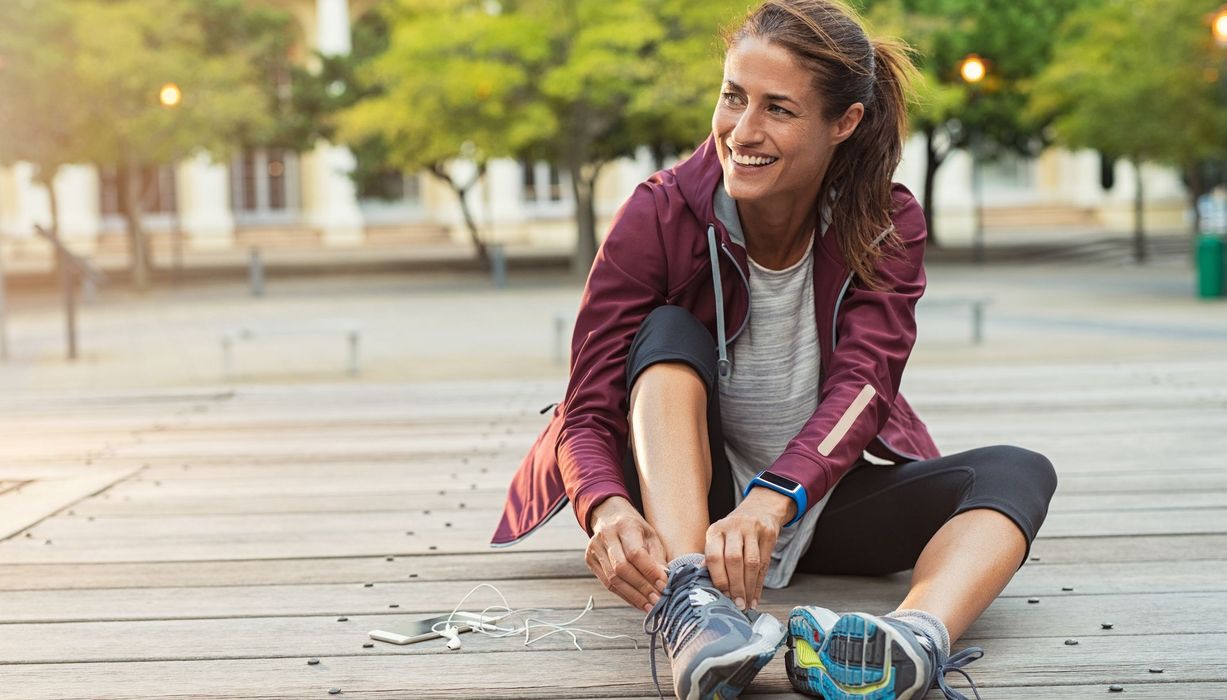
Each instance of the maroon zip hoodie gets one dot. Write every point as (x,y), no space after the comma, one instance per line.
(659,251)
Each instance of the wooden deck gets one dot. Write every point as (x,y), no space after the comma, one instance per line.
(208,543)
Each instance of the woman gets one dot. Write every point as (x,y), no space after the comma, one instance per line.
(742,335)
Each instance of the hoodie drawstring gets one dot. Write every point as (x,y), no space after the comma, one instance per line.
(725,367)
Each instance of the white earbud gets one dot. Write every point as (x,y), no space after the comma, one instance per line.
(453,637)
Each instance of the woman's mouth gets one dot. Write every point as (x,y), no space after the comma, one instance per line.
(749,160)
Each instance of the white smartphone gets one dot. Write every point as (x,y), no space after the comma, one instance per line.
(422,630)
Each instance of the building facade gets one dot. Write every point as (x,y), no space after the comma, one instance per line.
(306,199)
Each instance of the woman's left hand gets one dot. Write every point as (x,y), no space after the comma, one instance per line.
(739,546)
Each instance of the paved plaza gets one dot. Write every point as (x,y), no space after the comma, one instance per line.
(416,326)
(171,528)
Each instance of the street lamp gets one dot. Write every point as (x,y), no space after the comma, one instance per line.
(973,70)
(170,95)
(1219,26)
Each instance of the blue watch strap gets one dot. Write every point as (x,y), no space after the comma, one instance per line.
(784,485)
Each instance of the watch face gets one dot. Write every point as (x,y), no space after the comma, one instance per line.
(777,480)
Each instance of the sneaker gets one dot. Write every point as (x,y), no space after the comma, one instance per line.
(863,657)
(714,648)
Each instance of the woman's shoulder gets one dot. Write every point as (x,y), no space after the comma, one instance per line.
(907,214)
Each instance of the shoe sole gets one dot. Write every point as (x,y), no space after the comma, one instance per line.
(724,677)
(858,659)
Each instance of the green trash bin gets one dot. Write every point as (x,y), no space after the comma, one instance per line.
(1210,263)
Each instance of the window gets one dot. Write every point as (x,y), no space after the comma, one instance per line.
(157,193)
(264,186)
(543,183)
(391,197)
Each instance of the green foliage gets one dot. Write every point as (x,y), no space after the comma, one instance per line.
(39,115)
(1139,79)
(82,79)
(1014,37)
(575,82)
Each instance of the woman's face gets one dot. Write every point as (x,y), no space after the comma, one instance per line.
(771,136)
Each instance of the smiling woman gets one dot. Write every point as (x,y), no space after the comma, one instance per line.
(738,350)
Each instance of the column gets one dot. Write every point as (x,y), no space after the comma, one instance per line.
(205,215)
(76,189)
(330,200)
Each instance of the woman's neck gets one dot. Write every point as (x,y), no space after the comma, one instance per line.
(776,237)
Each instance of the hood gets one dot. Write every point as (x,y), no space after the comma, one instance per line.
(697,178)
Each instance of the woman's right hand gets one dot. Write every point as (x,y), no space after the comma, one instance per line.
(626,554)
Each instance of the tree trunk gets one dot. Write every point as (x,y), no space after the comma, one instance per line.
(583,186)
(933,161)
(47,181)
(461,192)
(1195,185)
(131,205)
(1139,234)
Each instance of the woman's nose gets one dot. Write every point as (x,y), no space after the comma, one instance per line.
(746,130)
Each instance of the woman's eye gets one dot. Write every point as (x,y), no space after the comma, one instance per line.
(730,98)
(776,109)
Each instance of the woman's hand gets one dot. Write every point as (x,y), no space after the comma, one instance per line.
(739,546)
(626,554)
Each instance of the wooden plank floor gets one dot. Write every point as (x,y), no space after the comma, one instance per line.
(208,543)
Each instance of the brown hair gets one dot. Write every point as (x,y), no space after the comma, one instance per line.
(828,36)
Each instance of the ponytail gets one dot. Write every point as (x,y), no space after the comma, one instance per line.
(863,166)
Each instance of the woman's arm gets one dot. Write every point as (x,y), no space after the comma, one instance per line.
(876,332)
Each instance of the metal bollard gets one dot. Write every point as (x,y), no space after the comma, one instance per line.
(560,348)
(498,265)
(4,337)
(353,353)
(256,273)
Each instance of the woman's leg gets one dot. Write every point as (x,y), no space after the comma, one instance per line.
(675,468)
(668,428)
(965,567)
(963,522)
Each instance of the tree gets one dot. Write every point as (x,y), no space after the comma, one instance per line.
(1015,37)
(1159,101)
(40,116)
(85,79)
(575,82)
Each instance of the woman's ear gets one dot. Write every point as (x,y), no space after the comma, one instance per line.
(846,125)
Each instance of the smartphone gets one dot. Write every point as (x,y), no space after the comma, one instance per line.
(421,630)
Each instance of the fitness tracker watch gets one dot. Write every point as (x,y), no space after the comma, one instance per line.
(780,484)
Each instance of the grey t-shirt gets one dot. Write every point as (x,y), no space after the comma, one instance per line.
(773,388)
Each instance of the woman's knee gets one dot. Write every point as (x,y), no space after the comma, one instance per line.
(672,336)
(1038,468)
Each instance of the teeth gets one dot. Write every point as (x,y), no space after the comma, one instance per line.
(750,160)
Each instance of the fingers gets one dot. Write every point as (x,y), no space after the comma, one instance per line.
(762,576)
(635,566)
(625,579)
(734,567)
(752,568)
(628,559)
(649,575)
(713,556)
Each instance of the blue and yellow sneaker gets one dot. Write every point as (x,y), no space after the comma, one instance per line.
(863,657)
(714,648)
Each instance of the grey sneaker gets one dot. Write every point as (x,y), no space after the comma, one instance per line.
(715,649)
(864,657)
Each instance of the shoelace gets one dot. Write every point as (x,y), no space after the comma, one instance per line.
(951,664)
(673,615)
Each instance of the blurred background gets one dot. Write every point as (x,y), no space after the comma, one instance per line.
(208,191)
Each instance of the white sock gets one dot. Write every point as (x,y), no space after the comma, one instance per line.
(696,559)
(928,622)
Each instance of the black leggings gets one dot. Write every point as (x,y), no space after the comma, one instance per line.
(879,517)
